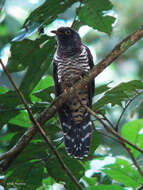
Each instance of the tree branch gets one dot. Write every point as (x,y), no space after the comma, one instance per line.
(112,131)
(133,159)
(57,103)
(42,132)
(107,120)
(121,140)
(124,109)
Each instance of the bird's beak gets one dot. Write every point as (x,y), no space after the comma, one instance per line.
(56,32)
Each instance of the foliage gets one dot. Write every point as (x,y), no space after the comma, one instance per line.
(36,167)
(92,14)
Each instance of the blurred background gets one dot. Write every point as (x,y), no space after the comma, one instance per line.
(129,17)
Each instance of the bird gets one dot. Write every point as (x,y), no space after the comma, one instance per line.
(72,60)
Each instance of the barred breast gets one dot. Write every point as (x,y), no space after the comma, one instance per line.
(69,69)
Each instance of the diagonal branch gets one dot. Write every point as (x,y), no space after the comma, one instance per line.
(42,132)
(124,109)
(121,140)
(133,159)
(112,131)
(57,103)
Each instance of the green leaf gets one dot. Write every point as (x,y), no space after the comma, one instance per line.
(6,116)
(45,82)
(52,131)
(95,142)
(46,183)
(92,14)
(133,132)
(34,56)
(8,102)
(25,176)
(21,119)
(106,187)
(101,89)
(60,175)
(40,91)
(48,12)
(26,32)
(22,53)
(28,167)
(123,172)
(90,180)
(18,132)
(9,99)
(119,93)
(38,65)
(3,90)
(128,87)
(45,95)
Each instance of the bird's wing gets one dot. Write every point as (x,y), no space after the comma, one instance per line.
(92,83)
(55,77)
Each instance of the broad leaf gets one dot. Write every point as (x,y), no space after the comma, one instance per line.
(105,187)
(123,172)
(102,89)
(8,103)
(44,83)
(45,95)
(90,181)
(39,62)
(95,141)
(60,175)
(28,167)
(25,176)
(9,99)
(92,14)
(133,132)
(34,56)
(118,94)
(3,90)
(22,119)
(46,14)
(46,183)
(23,53)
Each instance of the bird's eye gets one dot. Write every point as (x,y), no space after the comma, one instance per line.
(67,32)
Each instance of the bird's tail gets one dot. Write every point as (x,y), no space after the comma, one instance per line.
(77,137)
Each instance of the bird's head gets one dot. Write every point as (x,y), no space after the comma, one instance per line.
(66,36)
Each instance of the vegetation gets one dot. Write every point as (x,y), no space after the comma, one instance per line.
(32,152)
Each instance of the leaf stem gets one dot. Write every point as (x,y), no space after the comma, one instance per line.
(133,159)
(124,109)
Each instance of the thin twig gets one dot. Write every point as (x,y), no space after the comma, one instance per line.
(121,139)
(112,131)
(124,109)
(58,102)
(42,132)
(133,159)
(106,119)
